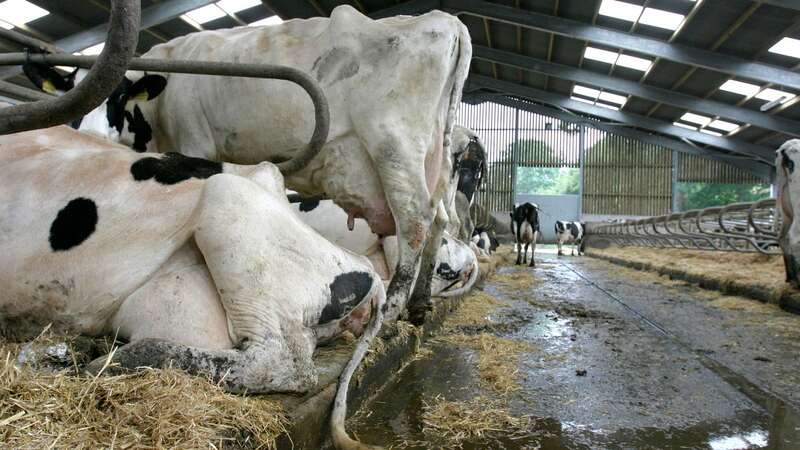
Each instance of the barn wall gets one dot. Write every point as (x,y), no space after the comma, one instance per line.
(620,176)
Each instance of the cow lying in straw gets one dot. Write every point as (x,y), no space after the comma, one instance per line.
(197,264)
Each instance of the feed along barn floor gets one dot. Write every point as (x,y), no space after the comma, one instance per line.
(579,353)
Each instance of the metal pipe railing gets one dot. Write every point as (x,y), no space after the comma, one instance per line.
(321,110)
(738,227)
(100,82)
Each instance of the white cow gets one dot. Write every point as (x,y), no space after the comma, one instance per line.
(788,182)
(393,85)
(198,264)
(569,232)
(455,270)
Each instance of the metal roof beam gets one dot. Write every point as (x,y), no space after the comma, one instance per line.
(151,16)
(788,4)
(714,108)
(627,41)
(732,145)
(758,169)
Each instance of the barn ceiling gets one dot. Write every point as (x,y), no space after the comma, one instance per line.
(717,75)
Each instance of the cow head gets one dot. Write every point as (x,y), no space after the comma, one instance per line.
(469,161)
(788,181)
(455,269)
(121,107)
(48,79)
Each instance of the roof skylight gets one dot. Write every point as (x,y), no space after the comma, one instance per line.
(661,19)
(683,125)
(771,95)
(585,91)
(271,20)
(93,50)
(613,98)
(786,46)
(696,118)
(234,6)
(723,125)
(741,88)
(20,12)
(610,57)
(600,55)
(620,10)
(205,14)
(633,62)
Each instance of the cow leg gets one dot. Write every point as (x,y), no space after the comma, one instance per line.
(533,250)
(229,231)
(525,253)
(558,242)
(420,300)
(519,253)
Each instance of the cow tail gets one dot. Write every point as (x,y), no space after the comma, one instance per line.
(338,433)
(467,286)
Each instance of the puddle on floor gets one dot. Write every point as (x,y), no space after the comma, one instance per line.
(593,379)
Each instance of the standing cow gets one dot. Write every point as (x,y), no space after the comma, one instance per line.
(197,264)
(570,232)
(393,87)
(787,161)
(525,228)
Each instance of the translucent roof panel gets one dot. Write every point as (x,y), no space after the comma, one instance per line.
(684,125)
(661,19)
(713,133)
(741,88)
(271,20)
(786,46)
(613,98)
(93,50)
(585,91)
(634,63)
(580,99)
(600,55)
(695,118)
(20,12)
(620,10)
(234,6)
(771,95)
(723,125)
(205,14)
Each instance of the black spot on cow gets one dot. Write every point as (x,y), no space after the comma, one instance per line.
(446,273)
(787,162)
(173,168)
(347,291)
(309,204)
(481,243)
(73,225)
(138,126)
(444,242)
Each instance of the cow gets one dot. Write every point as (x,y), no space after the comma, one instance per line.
(570,232)
(469,170)
(393,86)
(455,270)
(525,228)
(197,264)
(786,163)
(485,240)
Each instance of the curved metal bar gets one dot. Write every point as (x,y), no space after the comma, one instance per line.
(103,78)
(739,227)
(270,71)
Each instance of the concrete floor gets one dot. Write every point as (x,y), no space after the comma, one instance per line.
(665,368)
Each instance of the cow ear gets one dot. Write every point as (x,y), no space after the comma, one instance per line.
(46,78)
(147,88)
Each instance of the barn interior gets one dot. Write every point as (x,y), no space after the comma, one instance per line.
(653,124)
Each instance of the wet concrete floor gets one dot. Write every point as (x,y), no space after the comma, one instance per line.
(618,359)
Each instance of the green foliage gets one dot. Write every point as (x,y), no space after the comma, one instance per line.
(548,180)
(536,180)
(704,195)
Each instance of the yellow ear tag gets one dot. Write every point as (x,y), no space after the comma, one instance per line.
(48,87)
(142,97)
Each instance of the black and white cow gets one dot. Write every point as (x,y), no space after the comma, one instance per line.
(393,87)
(570,232)
(197,264)
(788,182)
(525,228)
(485,240)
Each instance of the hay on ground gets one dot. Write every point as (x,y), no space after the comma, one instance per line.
(480,418)
(727,268)
(498,358)
(514,282)
(475,309)
(148,409)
